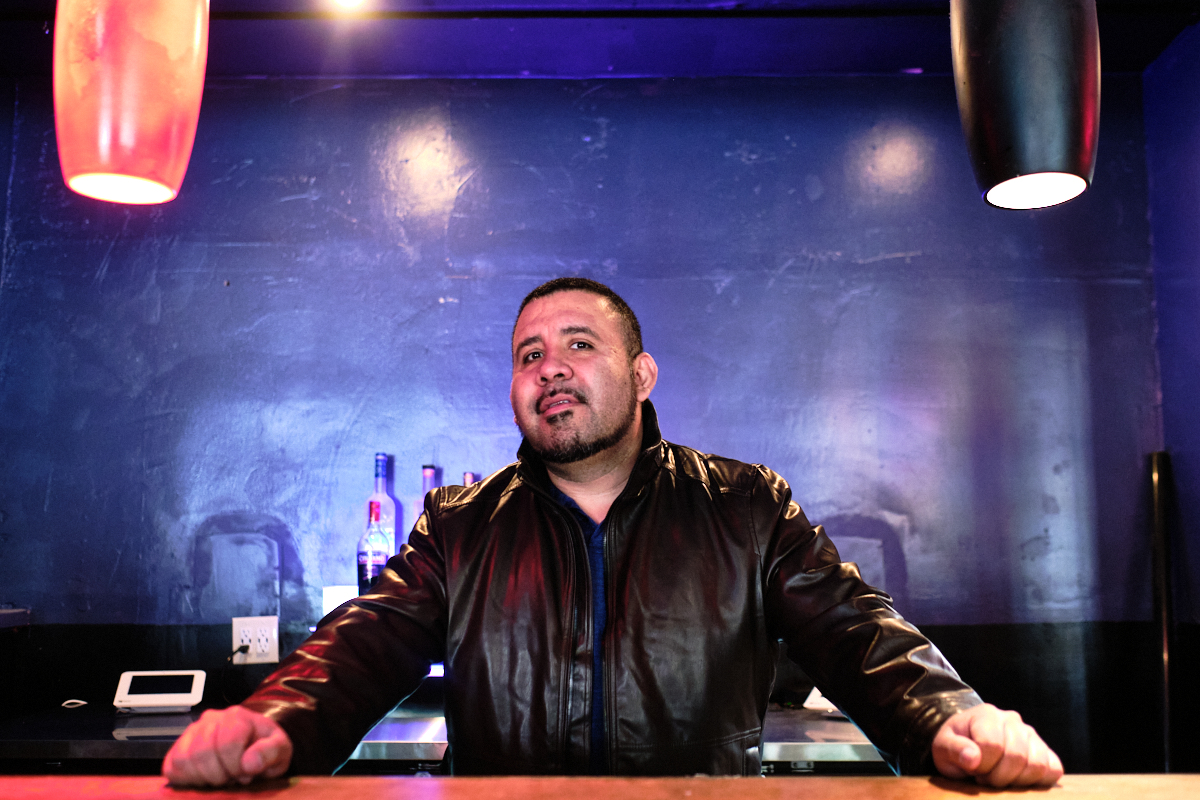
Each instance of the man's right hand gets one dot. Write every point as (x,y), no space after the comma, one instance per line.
(234,745)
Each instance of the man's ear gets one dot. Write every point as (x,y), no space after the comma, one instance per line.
(645,374)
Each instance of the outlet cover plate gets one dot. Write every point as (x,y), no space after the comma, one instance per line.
(262,636)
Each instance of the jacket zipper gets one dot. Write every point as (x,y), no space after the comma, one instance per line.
(577,536)
(605,650)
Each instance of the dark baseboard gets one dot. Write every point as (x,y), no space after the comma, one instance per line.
(1093,690)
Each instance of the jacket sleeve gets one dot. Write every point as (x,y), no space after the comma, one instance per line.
(876,667)
(364,658)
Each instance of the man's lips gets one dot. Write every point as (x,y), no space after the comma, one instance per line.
(558,402)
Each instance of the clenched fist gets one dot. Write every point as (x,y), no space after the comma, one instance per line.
(231,746)
(996,748)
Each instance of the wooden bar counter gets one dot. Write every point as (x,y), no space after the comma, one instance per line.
(1092,787)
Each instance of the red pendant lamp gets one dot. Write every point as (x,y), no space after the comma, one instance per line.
(128,75)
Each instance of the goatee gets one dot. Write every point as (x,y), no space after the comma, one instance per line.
(575,448)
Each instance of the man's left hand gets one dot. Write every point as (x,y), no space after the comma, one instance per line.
(996,748)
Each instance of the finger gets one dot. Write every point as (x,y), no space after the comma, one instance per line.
(178,769)
(262,753)
(990,733)
(233,733)
(1054,772)
(1044,768)
(1014,758)
(1039,763)
(172,769)
(201,756)
(955,756)
(270,756)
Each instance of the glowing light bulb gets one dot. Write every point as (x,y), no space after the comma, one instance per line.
(121,188)
(1038,190)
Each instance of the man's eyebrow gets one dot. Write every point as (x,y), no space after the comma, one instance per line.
(525,343)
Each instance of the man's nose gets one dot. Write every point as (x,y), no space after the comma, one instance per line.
(553,368)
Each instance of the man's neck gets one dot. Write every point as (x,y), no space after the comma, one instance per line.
(595,482)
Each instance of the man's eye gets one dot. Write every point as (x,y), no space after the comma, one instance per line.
(530,356)
(580,346)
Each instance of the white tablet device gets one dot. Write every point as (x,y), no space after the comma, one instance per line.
(162,691)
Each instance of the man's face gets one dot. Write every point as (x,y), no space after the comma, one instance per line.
(573,391)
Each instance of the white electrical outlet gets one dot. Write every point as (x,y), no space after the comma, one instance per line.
(260,635)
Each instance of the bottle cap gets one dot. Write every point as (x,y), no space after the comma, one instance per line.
(429,477)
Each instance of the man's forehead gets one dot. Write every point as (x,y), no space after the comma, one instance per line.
(578,309)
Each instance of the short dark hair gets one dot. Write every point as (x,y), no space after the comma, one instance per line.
(633,331)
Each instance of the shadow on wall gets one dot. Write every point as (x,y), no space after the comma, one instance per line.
(874,545)
(246,565)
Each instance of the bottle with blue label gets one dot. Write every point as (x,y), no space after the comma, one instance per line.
(372,551)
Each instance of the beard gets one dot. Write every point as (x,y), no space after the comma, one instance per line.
(575,446)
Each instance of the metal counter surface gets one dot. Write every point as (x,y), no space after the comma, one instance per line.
(790,734)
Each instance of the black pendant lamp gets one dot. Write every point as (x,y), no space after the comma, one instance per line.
(1027,75)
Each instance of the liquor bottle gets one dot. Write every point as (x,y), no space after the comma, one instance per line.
(372,551)
(429,479)
(387,506)
(470,478)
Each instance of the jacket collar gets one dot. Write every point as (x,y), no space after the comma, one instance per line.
(533,469)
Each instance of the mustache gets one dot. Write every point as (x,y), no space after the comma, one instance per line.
(556,392)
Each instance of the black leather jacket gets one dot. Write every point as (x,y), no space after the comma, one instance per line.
(709,564)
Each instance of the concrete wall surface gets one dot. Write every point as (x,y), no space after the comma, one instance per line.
(965,396)
(1172,87)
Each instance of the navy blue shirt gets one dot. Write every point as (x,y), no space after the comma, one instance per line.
(593,534)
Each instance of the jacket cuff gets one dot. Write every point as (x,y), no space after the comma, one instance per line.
(916,754)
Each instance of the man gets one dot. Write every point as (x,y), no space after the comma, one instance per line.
(609,604)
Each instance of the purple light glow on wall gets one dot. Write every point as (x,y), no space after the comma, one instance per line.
(340,274)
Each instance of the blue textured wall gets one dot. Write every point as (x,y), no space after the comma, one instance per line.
(965,395)
(1172,86)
